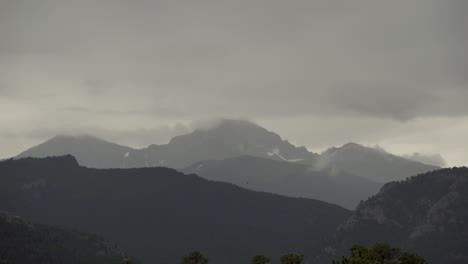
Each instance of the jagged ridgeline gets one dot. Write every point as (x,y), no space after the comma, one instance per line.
(229,139)
(250,156)
(27,243)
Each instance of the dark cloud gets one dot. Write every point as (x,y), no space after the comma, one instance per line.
(141,64)
(96,86)
(386,100)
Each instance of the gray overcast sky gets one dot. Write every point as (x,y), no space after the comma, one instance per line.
(319,73)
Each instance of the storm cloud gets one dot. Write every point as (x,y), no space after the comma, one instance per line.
(318,72)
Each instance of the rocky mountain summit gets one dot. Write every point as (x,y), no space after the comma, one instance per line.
(229,139)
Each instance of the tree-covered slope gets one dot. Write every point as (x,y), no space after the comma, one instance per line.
(426,214)
(22,242)
(159,214)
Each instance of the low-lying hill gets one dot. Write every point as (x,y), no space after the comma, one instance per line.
(159,214)
(27,243)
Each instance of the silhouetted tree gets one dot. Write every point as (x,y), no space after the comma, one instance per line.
(385,252)
(411,258)
(260,259)
(195,257)
(380,253)
(292,259)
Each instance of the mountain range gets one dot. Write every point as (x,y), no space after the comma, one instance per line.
(343,175)
(159,214)
(228,139)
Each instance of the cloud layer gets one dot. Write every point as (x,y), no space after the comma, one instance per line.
(140,66)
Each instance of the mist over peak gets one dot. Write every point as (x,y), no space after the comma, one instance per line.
(229,138)
(427,158)
(215,123)
(370,162)
(291,119)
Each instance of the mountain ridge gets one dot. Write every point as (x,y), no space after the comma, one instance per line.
(287,178)
(159,214)
(372,163)
(229,139)
(425,213)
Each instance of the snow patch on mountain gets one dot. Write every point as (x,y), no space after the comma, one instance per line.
(275,152)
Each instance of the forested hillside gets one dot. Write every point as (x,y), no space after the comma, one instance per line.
(22,242)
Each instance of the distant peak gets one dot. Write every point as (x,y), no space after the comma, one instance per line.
(238,126)
(353,148)
(77,137)
(225,123)
(242,122)
(352,145)
(356,146)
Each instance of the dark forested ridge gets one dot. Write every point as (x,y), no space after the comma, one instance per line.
(22,242)
(426,214)
(159,214)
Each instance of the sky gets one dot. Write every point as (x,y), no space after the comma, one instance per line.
(319,73)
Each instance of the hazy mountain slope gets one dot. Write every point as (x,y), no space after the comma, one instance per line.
(27,243)
(426,214)
(88,150)
(159,214)
(229,138)
(371,163)
(290,179)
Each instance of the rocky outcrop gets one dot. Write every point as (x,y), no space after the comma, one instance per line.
(426,213)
